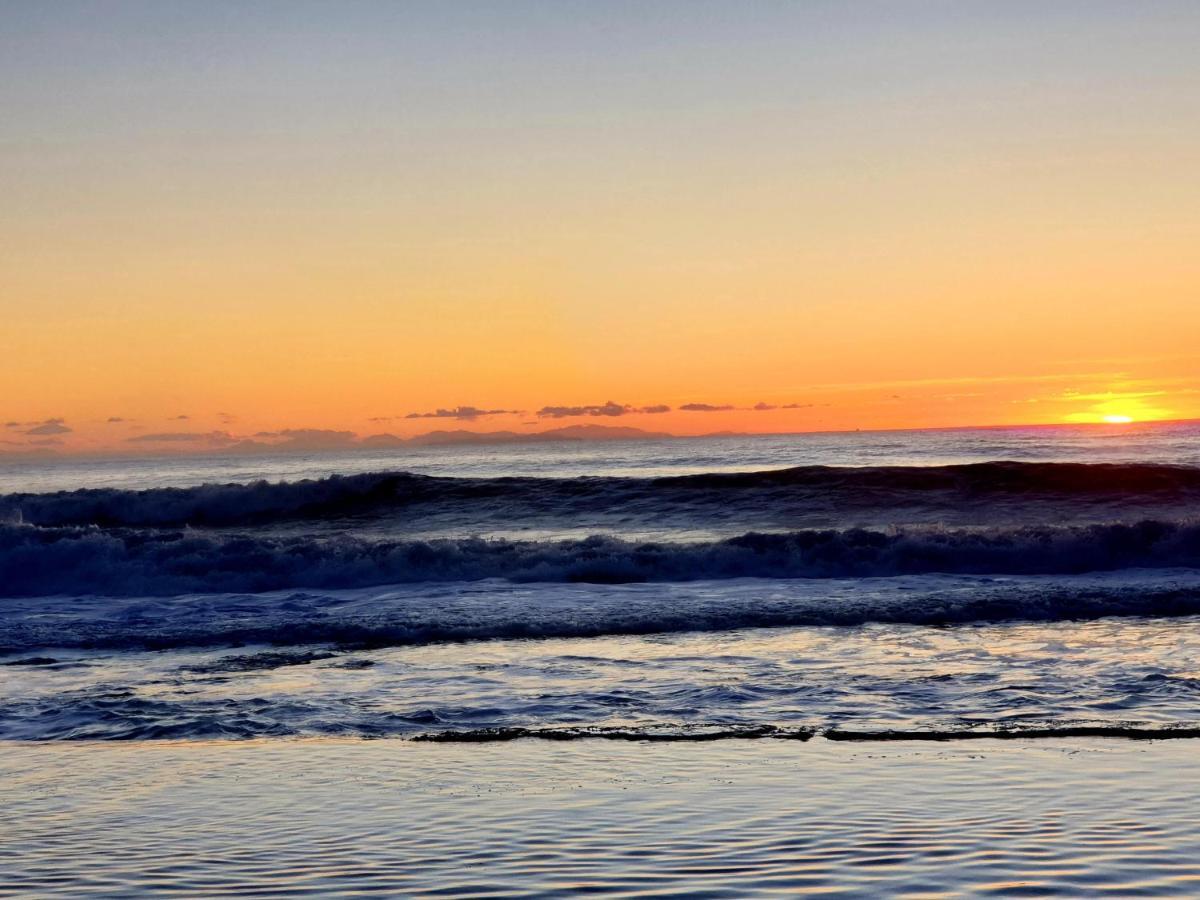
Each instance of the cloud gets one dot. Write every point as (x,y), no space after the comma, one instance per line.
(1115,395)
(46,442)
(13,424)
(704,407)
(50,426)
(767,407)
(181,418)
(608,408)
(113,420)
(183,437)
(458,412)
(226,418)
(605,409)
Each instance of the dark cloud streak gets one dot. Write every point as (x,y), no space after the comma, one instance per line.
(705,407)
(608,408)
(459,412)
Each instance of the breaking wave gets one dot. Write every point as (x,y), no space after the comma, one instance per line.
(262,502)
(124,561)
(407,615)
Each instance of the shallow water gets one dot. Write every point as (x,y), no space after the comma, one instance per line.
(1121,673)
(734,819)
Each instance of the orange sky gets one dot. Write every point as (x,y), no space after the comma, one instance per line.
(952,217)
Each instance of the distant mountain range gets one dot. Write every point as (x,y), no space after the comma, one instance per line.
(321,441)
(566,433)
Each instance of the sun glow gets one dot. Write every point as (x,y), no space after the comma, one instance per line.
(1121,407)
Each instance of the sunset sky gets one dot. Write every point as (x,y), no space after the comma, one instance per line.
(222,219)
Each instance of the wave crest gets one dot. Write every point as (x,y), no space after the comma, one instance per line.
(338,496)
(39,561)
(401,615)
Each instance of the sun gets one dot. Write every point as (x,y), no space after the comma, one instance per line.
(1117,419)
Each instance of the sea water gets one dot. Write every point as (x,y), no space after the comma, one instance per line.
(1034,581)
(958,663)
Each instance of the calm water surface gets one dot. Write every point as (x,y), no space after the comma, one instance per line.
(530,819)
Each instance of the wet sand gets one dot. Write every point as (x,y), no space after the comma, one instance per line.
(733,818)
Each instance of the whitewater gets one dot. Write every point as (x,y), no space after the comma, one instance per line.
(1036,581)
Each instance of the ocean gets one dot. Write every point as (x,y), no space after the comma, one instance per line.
(946,663)
(1032,581)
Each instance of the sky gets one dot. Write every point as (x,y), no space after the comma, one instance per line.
(222,219)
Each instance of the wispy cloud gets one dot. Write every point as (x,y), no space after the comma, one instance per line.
(1115,395)
(459,412)
(603,409)
(901,383)
(706,407)
(608,408)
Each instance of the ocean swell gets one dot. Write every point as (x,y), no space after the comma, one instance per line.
(404,615)
(125,561)
(341,496)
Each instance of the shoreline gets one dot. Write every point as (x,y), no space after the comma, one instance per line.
(291,817)
(600,736)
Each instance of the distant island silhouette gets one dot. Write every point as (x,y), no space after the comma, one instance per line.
(565,433)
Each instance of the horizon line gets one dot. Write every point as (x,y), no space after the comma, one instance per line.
(633,434)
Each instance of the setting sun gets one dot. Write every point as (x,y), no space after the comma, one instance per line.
(1118,420)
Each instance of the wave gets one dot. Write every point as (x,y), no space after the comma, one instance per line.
(112,713)
(339,496)
(39,561)
(657,733)
(694,733)
(437,613)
